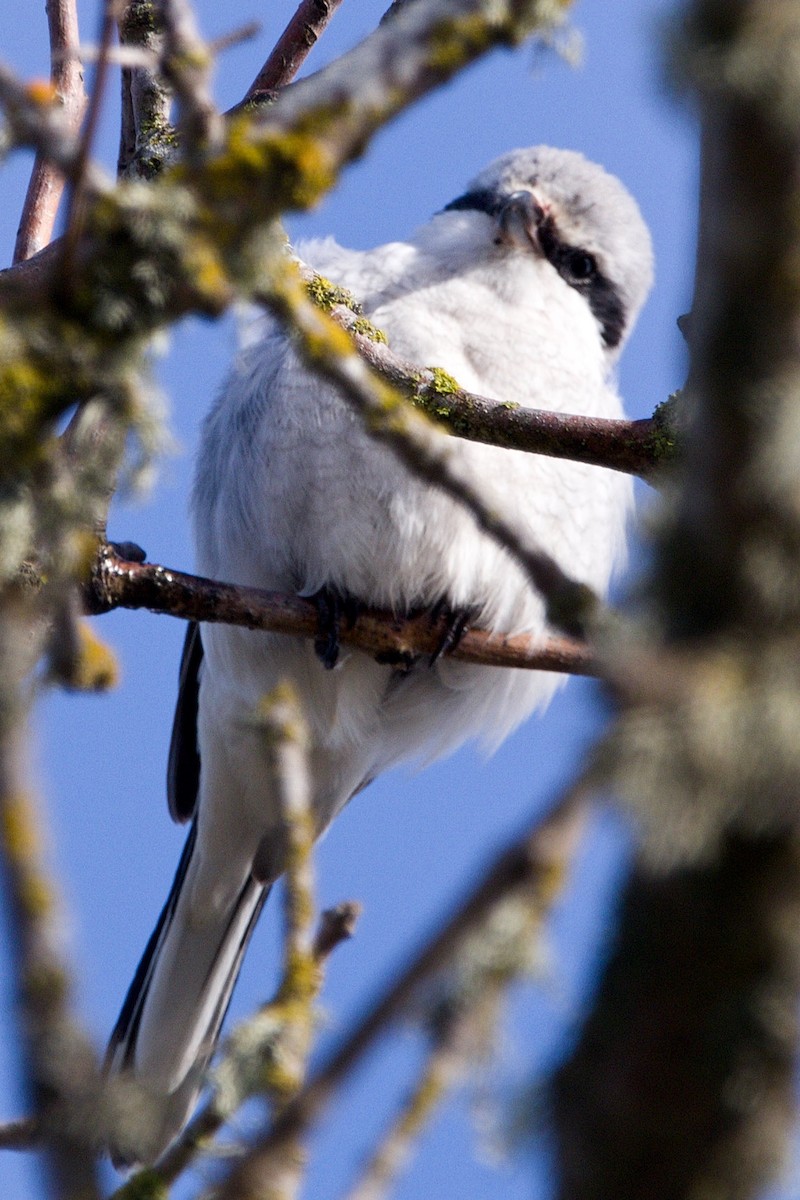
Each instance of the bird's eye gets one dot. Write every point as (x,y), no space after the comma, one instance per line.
(581,265)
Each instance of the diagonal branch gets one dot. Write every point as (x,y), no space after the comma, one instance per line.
(536,862)
(570,605)
(292,48)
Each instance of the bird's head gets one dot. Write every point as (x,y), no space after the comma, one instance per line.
(557,204)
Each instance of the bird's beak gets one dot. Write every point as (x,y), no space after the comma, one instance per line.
(519,218)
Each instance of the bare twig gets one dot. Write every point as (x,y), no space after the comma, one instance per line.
(335,926)
(537,862)
(47,182)
(24,1134)
(443,1069)
(292,48)
(76,213)
(120,584)
(187,66)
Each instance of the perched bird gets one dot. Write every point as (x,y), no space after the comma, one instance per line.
(524,289)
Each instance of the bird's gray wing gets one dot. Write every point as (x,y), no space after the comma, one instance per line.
(183,765)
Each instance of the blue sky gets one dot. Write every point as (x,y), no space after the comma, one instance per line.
(410,845)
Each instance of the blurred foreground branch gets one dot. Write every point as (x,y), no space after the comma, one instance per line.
(683,1081)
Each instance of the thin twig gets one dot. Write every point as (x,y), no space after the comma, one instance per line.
(47,182)
(23,1134)
(442,1071)
(76,211)
(536,861)
(634,447)
(390,638)
(187,65)
(335,926)
(292,48)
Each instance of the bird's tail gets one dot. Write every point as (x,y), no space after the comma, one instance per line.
(171,1017)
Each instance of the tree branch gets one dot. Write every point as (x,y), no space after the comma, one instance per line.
(59,1070)
(47,182)
(117,583)
(570,605)
(534,863)
(635,447)
(291,49)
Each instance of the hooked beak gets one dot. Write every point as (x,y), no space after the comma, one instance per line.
(519,219)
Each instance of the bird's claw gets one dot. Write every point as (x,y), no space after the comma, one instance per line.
(333,607)
(454,624)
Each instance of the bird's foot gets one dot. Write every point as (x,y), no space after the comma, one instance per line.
(333,607)
(453,623)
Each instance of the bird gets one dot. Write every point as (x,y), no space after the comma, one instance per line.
(525,289)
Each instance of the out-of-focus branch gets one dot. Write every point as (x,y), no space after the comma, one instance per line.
(443,1069)
(419,50)
(120,584)
(683,1082)
(36,120)
(60,1072)
(265,1031)
(24,1134)
(47,182)
(146,137)
(535,864)
(571,606)
(187,65)
(292,48)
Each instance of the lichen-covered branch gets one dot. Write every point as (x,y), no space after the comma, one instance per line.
(58,1065)
(442,1071)
(571,606)
(683,1082)
(197,237)
(147,139)
(636,447)
(533,867)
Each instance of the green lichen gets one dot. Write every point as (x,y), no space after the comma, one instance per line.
(430,392)
(144,1185)
(289,170)
(327,295)
(139,21)
(368,330)
(441,383)
(665,438)
(456,41)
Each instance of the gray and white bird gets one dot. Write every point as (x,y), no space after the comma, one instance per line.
(524,289)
